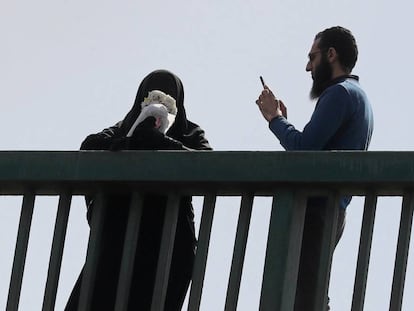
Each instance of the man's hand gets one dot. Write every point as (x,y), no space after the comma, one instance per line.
(269,106)
(283,109)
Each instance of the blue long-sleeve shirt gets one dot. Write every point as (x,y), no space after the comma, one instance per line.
(342,120)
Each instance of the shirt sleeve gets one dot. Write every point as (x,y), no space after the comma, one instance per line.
(331,112)
(103,139)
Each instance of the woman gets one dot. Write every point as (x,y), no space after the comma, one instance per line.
(181,135)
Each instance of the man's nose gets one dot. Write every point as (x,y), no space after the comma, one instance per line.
(308,66)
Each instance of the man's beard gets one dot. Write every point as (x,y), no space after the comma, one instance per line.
(321,78)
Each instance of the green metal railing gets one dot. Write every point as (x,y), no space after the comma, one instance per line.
(287,177)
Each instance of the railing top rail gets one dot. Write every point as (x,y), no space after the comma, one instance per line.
(386,171)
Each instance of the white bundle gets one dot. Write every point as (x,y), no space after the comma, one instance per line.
(159,105)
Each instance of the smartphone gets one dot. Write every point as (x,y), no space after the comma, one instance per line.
(261,80)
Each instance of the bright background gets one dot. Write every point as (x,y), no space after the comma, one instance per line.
(71,68)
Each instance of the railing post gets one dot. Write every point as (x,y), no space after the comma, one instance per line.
(166,251)
(403,246)
(20,252)
(328,243)
(364,252)
(202,252)
(283,250)
(239,252)
(57,251)
(92,256)
(128,257)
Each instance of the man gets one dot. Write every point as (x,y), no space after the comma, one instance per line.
(182,135)
(342,120)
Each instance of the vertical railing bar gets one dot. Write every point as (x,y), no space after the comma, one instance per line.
(202,252)
(166,250)
(93,251)
(128,257)
(283,251)
(239,252)
(364,252)
(402,252)
(20,252)
(57,251)
(327,249)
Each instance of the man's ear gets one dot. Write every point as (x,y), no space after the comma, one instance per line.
(332,55)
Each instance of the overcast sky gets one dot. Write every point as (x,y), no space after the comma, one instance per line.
(69,68)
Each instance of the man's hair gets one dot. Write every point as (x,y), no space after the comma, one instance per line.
(342,40)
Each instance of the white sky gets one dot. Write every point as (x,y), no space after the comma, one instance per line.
(70,68)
